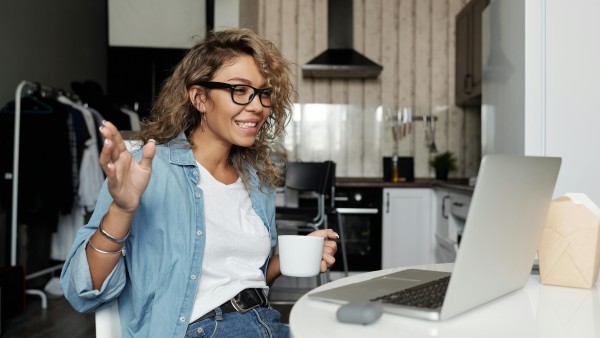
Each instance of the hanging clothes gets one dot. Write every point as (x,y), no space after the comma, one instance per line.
(45,174)
(45,169)
(59,173)
(91,176)
(90,181)
(134,119)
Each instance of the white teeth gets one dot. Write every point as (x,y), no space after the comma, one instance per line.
(246,124)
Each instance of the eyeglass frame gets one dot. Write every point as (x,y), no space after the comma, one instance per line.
(231,87)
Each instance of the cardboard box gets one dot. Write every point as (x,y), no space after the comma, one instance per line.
(569,251)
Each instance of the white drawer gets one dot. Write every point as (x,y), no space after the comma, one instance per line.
(459,205)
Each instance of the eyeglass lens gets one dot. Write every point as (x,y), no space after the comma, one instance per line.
(243,94)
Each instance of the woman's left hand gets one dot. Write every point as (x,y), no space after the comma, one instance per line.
(329,247)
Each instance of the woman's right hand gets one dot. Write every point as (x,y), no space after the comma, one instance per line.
(127,179)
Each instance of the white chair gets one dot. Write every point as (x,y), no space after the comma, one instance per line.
(108,322)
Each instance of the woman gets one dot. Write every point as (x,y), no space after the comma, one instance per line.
(183,229)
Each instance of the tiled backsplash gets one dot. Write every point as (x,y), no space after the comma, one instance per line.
(357,139)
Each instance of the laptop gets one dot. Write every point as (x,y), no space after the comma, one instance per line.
(502,231)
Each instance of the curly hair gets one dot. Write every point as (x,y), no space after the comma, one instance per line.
(174,113)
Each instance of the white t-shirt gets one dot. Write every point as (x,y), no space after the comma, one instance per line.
(237,244)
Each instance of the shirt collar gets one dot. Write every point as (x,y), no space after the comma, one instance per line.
(180,151)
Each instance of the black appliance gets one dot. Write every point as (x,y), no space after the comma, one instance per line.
(359,210)
(340,60)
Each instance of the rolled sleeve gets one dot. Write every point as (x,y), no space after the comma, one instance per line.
(76,281)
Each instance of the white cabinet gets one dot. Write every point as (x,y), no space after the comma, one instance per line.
(449,213)
(407,227)
(445,244)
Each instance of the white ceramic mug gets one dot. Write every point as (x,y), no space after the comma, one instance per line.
(300,256)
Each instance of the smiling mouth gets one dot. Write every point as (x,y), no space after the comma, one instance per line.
(247,124)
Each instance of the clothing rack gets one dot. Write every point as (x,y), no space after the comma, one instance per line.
(45,90)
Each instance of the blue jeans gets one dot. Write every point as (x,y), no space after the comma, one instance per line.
(261,322)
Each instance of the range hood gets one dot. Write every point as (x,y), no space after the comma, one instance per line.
(340,60)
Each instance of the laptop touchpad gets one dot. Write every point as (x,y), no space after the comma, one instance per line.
(389,284)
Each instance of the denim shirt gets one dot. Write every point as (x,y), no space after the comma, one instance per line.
(156,281)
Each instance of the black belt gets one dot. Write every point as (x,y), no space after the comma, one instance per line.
(244,301)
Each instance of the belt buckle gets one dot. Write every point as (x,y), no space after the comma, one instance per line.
(239,309)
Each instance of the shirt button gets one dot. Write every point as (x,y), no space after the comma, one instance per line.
(195,173)
(198,195)
(193,277)
(199,232)
(182,319)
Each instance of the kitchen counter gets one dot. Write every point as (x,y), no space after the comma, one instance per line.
(378,182)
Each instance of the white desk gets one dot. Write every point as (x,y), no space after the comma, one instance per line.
(535,311)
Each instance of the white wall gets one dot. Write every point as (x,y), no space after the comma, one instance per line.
(227,14)
(156,23)
(543,97)
(573,93)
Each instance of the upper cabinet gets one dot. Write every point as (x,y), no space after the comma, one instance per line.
(468,53)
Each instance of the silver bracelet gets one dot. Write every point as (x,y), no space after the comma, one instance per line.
(109,236)
(121,251)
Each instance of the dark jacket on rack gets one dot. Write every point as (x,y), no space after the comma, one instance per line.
(45,173)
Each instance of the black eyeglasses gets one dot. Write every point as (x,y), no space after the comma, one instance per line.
(240,93)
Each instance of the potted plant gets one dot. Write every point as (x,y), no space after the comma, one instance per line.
(443,163)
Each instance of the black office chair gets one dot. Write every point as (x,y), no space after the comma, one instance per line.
(308,190)
(317,179)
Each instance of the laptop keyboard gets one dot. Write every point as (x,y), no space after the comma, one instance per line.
(429,295)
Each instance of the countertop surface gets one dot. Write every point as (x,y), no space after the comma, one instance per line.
(457,184)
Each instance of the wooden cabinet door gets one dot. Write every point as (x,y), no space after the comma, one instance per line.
(468,53)
(476,45)
(462,56)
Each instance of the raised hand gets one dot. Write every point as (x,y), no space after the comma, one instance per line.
(127,179)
